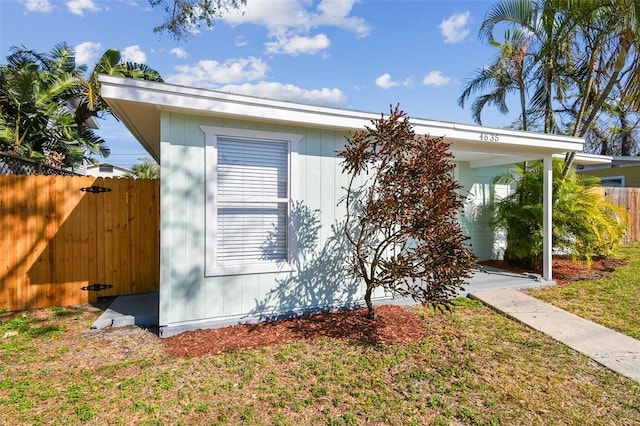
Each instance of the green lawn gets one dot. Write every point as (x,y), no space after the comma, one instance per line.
(612,302)
(478,367)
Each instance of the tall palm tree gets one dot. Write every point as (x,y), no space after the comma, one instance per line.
(610,32)
(505,75)
(550,37)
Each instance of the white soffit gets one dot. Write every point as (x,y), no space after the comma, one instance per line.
(139,103)
(586,159)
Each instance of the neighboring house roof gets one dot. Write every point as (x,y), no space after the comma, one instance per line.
(108,170)
(615,162)
(139,104)
(620,171)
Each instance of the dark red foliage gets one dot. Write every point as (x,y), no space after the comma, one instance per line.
(402,204)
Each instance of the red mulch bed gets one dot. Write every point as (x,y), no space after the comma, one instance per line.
(395,324)
(566,270)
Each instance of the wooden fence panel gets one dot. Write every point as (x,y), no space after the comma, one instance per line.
(57,239)
(629,198)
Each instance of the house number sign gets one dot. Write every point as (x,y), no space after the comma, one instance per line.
(489,137)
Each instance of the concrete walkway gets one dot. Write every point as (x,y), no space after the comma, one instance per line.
(614,350)
(134,309)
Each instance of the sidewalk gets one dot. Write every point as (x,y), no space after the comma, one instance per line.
(614,350)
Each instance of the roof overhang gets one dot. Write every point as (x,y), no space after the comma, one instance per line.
(139,104)
(584,159)
(614,162)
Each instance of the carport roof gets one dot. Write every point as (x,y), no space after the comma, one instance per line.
(139,104)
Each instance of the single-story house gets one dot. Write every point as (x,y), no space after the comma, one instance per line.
(249,191)
(618,172)
(108,170)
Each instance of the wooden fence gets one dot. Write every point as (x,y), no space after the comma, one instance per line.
(630,199)
(57,239)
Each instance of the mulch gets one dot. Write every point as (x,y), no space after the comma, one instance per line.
(566,270)
(395,324)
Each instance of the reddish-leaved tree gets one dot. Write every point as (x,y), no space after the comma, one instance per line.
(402,204)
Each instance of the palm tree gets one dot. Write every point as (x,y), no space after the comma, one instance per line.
(90,102)
(33,121)
(148,169)
(45,102)
(611,35)
(585,225)
(550,37)
(505,75)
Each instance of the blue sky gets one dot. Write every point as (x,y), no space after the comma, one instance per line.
(362,55)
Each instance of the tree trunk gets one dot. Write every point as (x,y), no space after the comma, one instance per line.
(367,298)
(626,134)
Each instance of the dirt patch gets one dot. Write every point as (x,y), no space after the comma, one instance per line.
(566,270)
(395,324)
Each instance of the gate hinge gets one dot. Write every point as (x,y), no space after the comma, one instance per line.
(95,189)
(96,287)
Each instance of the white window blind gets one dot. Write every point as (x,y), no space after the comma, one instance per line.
(252,204)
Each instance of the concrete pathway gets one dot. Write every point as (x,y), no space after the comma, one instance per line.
(134,309)
(614,350)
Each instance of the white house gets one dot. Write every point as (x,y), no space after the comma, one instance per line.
(108,170)
(250,190)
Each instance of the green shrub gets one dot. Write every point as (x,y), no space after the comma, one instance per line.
(585,225)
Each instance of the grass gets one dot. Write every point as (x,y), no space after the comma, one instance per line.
(611,302)
(477,367)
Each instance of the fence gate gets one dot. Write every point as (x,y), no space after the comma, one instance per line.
(68,240)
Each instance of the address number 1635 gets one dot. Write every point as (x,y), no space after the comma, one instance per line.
(489,137)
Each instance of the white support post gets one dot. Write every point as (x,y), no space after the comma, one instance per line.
(547,207)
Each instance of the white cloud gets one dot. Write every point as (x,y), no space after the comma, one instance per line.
(210,74)
(282,15)
(297,45)
(134,54)
(237,75)
(385,82)
(240,42)
(44,6)
(289,92)
(178,52)
(87,52)
(78,7)
(435,78)
(454,29)
(290,21)
(335,13)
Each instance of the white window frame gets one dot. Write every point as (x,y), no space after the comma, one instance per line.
(212,133)
(612,179)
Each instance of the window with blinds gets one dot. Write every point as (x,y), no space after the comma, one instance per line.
(251,180)
(253,201)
